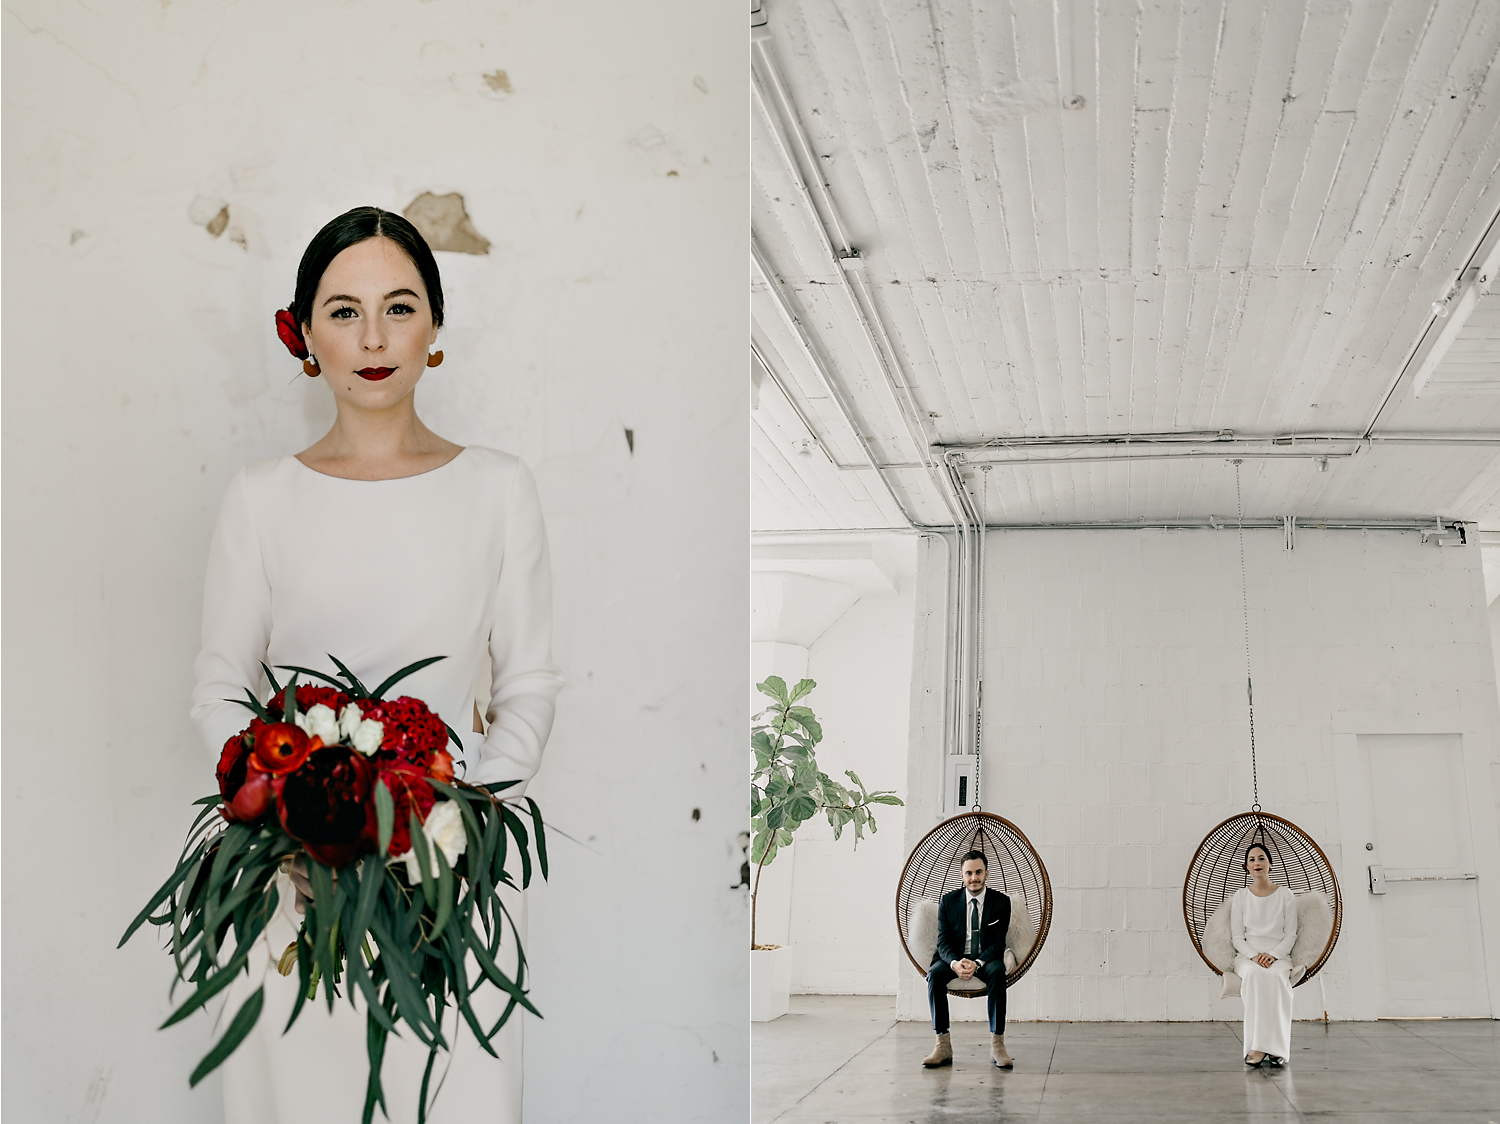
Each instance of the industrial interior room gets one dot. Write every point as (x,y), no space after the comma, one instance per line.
(1126,463)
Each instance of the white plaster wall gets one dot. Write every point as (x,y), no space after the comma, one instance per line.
(141,369)
(1115,731)
(842,897)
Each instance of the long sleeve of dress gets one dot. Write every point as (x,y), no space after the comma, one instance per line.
(1288,902)
(525,682)
(1237,924)
(236,620)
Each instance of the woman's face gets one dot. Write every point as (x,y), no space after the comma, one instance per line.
(1257,862)
(371,325)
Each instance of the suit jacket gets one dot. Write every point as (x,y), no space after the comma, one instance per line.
(953,926)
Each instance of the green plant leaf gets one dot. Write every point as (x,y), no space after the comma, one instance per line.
(775,687)
(803,687)
(244,1019)
(444,893)
(356,688)
(424,861)
(396,677)
(271,678)
(541,836)
(289,701)
(326,678)
(385,818)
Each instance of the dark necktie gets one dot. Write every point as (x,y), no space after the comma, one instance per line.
(973,927)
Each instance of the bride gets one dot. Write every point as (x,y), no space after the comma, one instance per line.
(1263,926)
(382,543)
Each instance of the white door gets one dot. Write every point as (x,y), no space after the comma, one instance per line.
(1428,945)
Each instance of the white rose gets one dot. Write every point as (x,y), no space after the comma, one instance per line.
(444,829)
(319,721)
(349,720)
(367,736)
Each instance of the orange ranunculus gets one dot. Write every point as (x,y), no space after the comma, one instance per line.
(440,767)
(282,748)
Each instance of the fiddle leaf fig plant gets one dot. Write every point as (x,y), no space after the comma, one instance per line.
(786,786)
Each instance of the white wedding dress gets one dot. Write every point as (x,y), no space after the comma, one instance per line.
(1257,925)
(382,573)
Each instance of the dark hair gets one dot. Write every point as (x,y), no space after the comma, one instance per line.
(350,229)
(977,855)
(1270,861)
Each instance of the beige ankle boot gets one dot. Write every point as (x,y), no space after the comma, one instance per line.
(997,1052)
(942,1053)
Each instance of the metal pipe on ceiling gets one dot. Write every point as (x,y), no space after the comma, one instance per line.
(795,149)
(1217,523)
(1428,337)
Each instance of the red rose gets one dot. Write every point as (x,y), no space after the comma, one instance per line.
(326,805)
(309,697)
(290,333)
(281,748)
(410,793)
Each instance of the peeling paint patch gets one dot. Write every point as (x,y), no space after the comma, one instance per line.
(700,84)
(76,235)
(697,814)
(216,225)
(630,441)
(498,81)
(1011,102)
(445,223)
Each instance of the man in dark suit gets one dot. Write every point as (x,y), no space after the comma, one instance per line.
(972,923)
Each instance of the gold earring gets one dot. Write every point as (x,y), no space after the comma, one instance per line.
(310,367)
(435,359)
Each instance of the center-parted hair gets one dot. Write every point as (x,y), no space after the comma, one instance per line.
(352,228)
(1270,858)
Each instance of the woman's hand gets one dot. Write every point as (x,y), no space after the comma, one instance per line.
(1265,959)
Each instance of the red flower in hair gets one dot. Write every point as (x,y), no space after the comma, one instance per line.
(290,333)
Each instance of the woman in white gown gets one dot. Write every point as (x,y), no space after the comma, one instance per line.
(381,544)
(1263,926)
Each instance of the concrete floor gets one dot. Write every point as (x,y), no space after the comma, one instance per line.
(845,1060)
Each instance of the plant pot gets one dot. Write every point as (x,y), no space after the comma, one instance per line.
(770,983)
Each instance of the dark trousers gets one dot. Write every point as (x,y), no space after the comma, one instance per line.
(993,974)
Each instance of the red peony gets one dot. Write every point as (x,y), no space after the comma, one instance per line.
(290,333)
(326,805)
(281,748)
(411,793)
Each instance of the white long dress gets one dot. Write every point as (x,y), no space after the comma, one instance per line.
(451,562)
(1257,925)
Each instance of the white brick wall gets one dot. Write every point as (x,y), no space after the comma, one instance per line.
(1116,734)
(840,922)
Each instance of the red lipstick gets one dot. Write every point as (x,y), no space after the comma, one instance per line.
(375,374)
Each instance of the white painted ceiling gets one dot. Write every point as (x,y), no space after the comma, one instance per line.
(1244,227)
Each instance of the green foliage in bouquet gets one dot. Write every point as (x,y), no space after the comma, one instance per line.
(786,786)
(400,941)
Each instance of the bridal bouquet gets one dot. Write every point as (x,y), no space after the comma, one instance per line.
(404,862)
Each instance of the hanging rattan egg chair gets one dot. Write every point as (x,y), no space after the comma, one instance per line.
(1297,862)
(1217,871)
(935,867)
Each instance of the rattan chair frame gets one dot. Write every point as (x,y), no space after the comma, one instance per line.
(1216,872)
(933,868)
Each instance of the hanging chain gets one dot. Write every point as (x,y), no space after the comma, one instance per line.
(1239,502)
